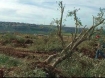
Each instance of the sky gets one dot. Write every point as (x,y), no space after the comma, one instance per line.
(43,11)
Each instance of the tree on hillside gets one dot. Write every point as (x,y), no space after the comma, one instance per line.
(53,60)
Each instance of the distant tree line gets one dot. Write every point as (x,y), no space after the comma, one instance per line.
(31,28)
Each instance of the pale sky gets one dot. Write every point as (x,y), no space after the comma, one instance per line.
(43,11)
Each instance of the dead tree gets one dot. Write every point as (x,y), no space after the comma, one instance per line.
(53,60)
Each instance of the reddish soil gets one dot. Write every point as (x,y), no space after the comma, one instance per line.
(23,53)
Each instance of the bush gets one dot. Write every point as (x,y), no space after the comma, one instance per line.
(47,44)
(7,38)
(82,66)
(13,40)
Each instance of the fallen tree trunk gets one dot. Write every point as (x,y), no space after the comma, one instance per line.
(53,60)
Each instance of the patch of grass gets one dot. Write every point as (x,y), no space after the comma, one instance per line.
(7,61)
(25,70)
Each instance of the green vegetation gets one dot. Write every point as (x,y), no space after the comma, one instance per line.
(30,28)
(41,43)
(74,52)
(47,44)
(26,71)
(82,66)
(79,65)
(7,61)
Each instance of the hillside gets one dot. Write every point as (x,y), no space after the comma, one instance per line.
(30,28)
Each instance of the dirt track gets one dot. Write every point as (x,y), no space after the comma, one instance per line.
(23,53)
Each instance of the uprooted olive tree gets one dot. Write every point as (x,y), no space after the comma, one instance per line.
(52,61)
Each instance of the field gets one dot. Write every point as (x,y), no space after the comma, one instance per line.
(20,53)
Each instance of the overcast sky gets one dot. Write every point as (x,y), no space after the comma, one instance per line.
(43,11)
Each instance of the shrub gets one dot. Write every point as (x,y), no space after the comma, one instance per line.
(47,44)
(82,66)
(7,38)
